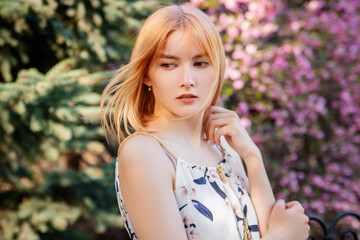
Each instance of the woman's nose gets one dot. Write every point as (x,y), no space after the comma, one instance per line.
(187,79)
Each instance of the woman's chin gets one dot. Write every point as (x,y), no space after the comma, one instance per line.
(188,114)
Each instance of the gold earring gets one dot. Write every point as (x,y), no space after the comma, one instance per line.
(149,88)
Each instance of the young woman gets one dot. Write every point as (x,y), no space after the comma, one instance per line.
(174,179)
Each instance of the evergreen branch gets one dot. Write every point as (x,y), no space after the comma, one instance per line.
(73,74)
(58,69)
(29,76)
(91,98)
(12,7)
(95,78)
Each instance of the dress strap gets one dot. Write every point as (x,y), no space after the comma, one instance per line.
(167,150)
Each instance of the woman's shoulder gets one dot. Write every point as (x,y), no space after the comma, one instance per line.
(141,151)
(137,145)
(142,159)
(132,142)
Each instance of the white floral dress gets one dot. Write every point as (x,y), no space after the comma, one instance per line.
(204,202)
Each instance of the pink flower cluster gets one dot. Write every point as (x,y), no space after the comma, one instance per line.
(293,71)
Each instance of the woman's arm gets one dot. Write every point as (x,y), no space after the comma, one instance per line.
(257,184)
(146,182)
(222,122)
(278,221)
(260,191)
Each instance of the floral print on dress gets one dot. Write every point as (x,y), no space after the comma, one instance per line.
(190,227)
(204,205)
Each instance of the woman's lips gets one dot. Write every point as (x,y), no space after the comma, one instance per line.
(187,98)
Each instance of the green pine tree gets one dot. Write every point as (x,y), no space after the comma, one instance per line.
(45,118)
(96,33)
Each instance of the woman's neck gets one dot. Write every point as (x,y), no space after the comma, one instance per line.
(185,131)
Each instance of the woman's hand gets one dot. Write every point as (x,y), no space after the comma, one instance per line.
(222,122)
(287,221)
(219,122)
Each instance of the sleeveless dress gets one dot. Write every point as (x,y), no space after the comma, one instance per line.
(210,208)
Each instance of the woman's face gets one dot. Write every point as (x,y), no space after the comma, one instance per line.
(181,78)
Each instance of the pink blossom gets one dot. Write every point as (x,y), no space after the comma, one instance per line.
(228,47)
(196,3)
(307,190)
(286,48)
(334,167)
(281,196)
(293,157)
(242,109)
(268,29)
(284,182)
(280,62)
(238,84)
(303,62)
(255,33)
(318,205)
(295,26)
(253,72)
(231,5)
(317,180)
(234,74)
(258,107)
(246,122)
(255,83)
(314,5)
(237,54)
(262,88)
(251,49)
(233,32)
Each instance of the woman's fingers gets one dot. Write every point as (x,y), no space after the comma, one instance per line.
(295,205)
(292,204)
(222,122)
(215,121)
(216,117)
(212,126)
(223,131)
(289,220)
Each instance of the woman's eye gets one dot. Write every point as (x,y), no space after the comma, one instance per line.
(201,64)
(168,65)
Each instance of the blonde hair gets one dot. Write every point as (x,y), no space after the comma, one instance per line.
(126,102)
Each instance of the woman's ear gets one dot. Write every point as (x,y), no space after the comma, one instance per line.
(146,80)
(147,83)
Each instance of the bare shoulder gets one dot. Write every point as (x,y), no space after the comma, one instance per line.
(137,146)
(141,153)
(146,178)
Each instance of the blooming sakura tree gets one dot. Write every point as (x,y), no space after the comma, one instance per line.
(293,77)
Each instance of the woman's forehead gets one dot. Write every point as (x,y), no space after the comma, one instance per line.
(182,43)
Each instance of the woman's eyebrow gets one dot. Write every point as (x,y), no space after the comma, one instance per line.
(199,56)
(169,56)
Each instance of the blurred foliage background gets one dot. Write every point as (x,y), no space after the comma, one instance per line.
(57,172)
(292,76)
